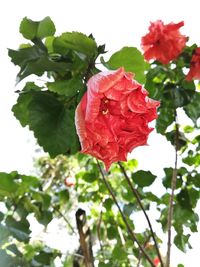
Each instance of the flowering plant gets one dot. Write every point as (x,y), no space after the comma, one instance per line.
(106,114)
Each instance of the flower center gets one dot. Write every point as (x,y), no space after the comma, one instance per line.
(104,106)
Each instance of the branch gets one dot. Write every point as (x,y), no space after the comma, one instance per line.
(171,200)
(133,237)
(85,238)
(99,229)
(65,219)
(136,194)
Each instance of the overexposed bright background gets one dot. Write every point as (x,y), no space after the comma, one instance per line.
(115,23)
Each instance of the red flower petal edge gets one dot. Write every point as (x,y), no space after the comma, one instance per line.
(113,115)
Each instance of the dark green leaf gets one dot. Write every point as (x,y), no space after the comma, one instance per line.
(193,109)
(44,258)
(165,119)
(183,199)
(13,248)
(168,178)
(174,96)
(89,177)
(76,41)
(20,109)
(196,180)
(131,59)
(52,124)
(63,196)
(45,217)
(19,229)
(66,87)
(34,60)
(143,178)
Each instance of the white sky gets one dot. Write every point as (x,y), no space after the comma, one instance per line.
(115,23)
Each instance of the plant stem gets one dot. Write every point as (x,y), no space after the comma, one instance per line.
(133,237)
(136,194)
(65,219)
(171,200)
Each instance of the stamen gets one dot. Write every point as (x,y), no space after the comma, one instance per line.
(104,112)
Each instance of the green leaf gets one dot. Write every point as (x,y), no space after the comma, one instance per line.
(89,177)
(119,253)
(193,109)
(143,178)
(76,41)
(6,259)
(165,119)
(20,109)
(128,209)
(131,59)
(66,87)
(19,229)
(175,96)
(7,184)
(45,217)
(196,180)
(63,196)
(34,60)
(112,232)
(28,28)
(53,125)
(181,241)
(168,178)
(4,235)
(46,28)
(31,29)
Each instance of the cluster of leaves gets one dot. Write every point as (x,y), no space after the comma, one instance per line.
(20,196)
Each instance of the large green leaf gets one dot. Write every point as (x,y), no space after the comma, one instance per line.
(131,59)
(20,109)
(53,125)
(37,29)
(143,178)
(76,41)
(66,87)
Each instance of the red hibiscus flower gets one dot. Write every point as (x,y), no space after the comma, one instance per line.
(112,117)
(156,261)
(163,42)
(194,72)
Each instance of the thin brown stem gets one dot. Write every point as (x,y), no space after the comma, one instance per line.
(137,196)
(99,229)
(65,219)
(133,237)
(171,200)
